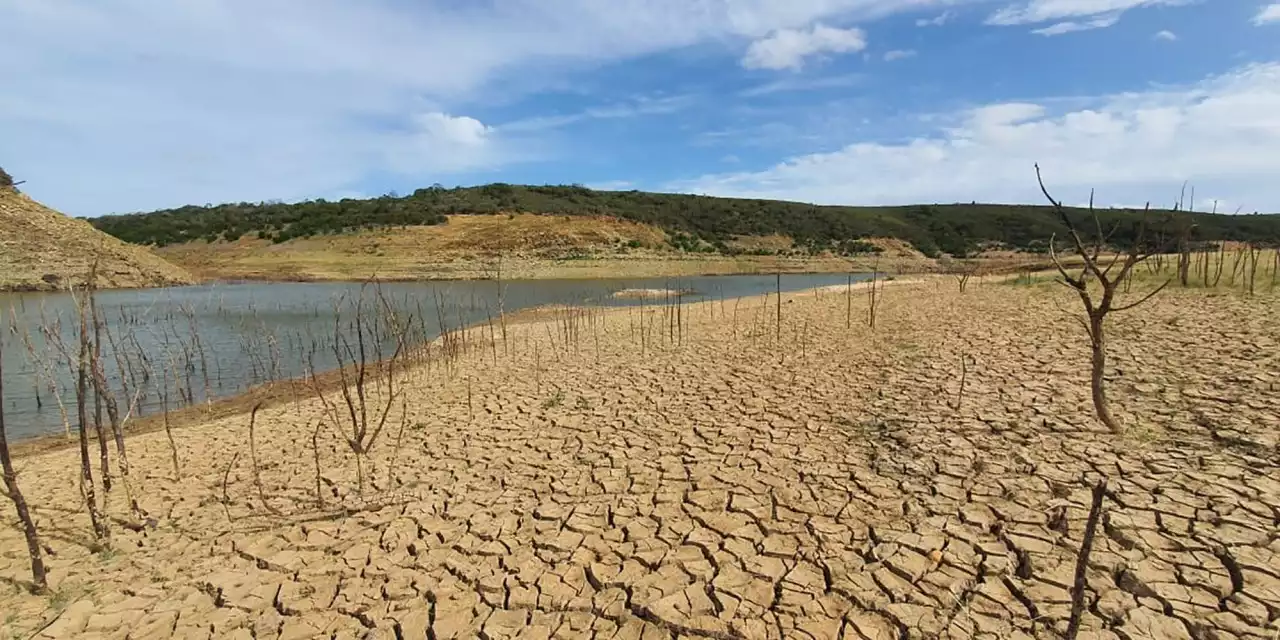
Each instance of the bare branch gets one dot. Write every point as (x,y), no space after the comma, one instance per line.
(1090,264)
(1144,298)
(1068,280)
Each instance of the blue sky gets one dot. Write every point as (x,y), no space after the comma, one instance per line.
(125,105)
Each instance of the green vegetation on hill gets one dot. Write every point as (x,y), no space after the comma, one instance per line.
(695,223)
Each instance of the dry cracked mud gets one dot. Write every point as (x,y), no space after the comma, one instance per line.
(817,481)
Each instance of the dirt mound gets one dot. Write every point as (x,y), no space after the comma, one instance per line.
(41,249)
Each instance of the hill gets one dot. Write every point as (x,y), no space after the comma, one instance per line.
(690,223)
(41,249)
(449,249)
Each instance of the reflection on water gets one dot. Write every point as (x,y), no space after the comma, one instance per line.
(182,345)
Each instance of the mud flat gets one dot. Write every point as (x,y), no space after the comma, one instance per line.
(731,478)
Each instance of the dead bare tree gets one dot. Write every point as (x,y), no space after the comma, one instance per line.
(39,583)
(1097,309)
(100,530)
(1184,254)
(103,395)
(168,428)
(1275,263)
(367,385)
(778,289)
(1221,260)
(848,303)
(1252,252)
(95,357)
(963,272)
(873,295)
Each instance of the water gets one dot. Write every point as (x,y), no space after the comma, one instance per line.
(159,342)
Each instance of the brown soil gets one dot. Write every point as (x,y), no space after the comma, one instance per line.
(820,481)
(43,250)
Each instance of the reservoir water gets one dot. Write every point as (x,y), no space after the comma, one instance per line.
(238,335)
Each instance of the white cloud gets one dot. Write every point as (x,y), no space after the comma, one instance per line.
(800,83)
(1037,11)
(899,54)
(1220,134)
(1071,26)
(788,48)
(1269,14)
(636,107)
(1166,35)
(436,143)
(937,21)
(461,131)
(132,104)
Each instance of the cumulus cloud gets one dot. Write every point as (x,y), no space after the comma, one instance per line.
(435,142)
(788,48)
(1166,35)
(459,131)
(898,54)
(1221,134)
(1269,14)
(1071,26)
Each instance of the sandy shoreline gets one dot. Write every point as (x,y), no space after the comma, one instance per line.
(612,473)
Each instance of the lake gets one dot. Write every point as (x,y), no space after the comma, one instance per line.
(216,340)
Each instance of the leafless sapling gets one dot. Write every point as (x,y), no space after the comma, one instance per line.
(873,295)
(1275,263)
(1184,254)
(963,271)
(38,581)
(104,394)
(362,375)
(100,530)
(778,327)
(848,303)
(1252,252)
(1098,308)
